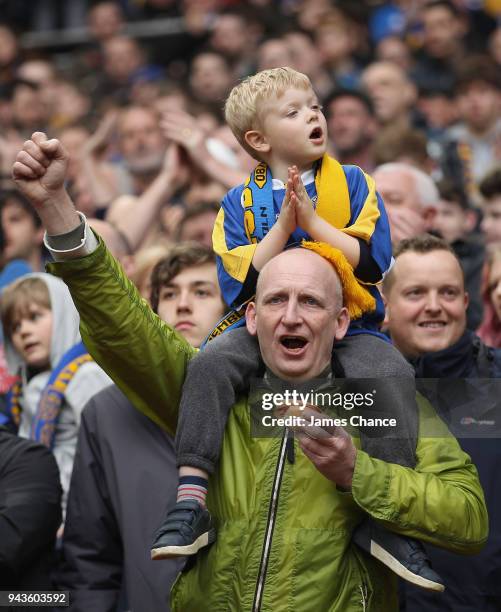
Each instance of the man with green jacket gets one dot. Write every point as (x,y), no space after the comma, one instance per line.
(285,517)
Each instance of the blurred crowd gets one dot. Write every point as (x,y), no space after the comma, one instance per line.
(412,82)
(411,90)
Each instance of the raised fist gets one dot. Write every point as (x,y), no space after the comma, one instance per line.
(40,169)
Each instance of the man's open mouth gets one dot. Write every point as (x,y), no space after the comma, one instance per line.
(293,343)
(316,134)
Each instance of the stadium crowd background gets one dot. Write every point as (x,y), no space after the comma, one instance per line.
(135,89)
(117,82)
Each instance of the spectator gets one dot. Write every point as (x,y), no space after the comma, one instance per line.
(30,513)
(235,35)
(42,73)
(273,53)
(123,58)
(21,230)
(141,144)
(456,222)
(29,109)
(210,79)
(305,58)
(392,93)
(404,145)
(125,472)
(410,198)
(426,312)
(443,30)
(490,188)
(394,49)
(439,109)
(336,41)
(58,377)
(105,21)
(352,127)
(490,330)
(197,224)
(478,102)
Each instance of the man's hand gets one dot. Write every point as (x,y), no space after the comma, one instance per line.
(184,129)
(39,172)
(101,138)
(404,223)
(305,211)
(287,218)
(175,169)
(333,456)
(40,169)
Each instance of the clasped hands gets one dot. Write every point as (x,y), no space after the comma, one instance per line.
(297,208)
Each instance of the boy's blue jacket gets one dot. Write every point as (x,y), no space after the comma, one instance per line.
(235,251)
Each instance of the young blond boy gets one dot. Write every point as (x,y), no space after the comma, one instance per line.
(57,375)
(295,193)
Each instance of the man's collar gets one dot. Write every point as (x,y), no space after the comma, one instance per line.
(455,361)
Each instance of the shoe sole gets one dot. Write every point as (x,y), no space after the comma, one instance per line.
(382,555)
(168,552)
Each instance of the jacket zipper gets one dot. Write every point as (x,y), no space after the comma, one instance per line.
(272,514)
(363,599)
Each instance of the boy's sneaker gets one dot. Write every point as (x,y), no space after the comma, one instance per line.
(186,529)
(405,556)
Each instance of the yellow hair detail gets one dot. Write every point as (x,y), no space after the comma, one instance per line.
(356,299)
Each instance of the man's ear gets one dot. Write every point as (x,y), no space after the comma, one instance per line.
(257,141)
(466,299)
(250,319)
(343,322)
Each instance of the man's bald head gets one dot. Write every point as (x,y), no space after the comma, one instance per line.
(286,261)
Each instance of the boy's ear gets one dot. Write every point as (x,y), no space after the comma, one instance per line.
(257,141)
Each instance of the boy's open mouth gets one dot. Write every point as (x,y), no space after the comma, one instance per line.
(316,133)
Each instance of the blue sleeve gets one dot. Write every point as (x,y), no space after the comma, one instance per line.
(363,198)
(234,250)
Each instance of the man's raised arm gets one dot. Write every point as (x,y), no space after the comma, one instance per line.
(141,353)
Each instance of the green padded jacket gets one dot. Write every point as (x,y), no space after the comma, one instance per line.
(284,531)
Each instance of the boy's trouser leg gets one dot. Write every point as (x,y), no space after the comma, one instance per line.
(376,365)
(215,377)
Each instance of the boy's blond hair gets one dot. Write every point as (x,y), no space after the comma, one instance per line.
(243,105)
(17,299)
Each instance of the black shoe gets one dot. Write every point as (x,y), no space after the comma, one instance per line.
(186,529)
(405,556)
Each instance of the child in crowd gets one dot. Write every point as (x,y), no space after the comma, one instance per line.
(57,375)
(456,221)
(296,192)
(490,188)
